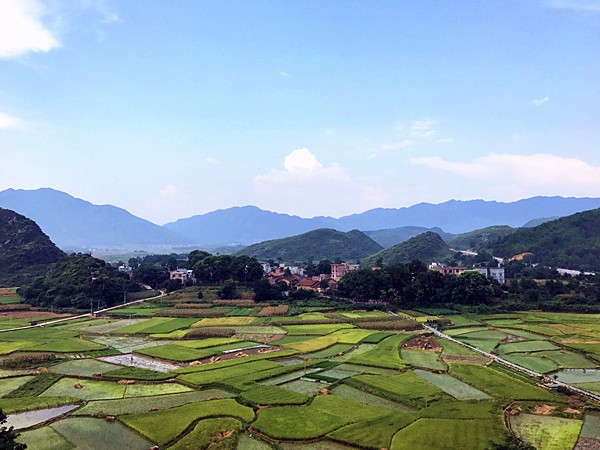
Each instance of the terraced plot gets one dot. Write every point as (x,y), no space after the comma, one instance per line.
(546,432)
(323,415)
(452,386)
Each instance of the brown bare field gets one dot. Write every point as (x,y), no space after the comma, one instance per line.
(427,343)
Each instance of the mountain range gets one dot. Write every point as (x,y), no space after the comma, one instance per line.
(74,223)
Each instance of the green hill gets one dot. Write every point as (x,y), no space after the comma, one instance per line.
(572,242)
(25,251)
(391,236)
(481,238)
(426,247)
(316,245)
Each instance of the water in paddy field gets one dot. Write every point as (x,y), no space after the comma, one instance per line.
(574,376)
(138,361)
(31,418)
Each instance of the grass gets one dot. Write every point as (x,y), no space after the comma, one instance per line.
(82,367)
(318,329)
(163,427)
(593,386)
(92,389)
(273,395)
(407,388)
(95,434)
(462,410)
(211,433)
(234,362)
(245,442)
(423,359)
(136,373)
(313,345)
(138,327)
(168,326)
(448,434)
(384,354)
(376,337)
(546,432)
(310,388)
(14,405)
(8,385)
(499,384)
(526,346)
(532,362)
(138,405)
(224,321)
(452,386)
(325,414)
(359,396)
(219,375)
(352,336)
(591,427)
(381,431)
(579,376)
(44,438)
(36,386)
(150,390)
(452,348)
(570,360)
(328,352)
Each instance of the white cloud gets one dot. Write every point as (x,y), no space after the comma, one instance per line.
(284,74)
(169,192)
(7,121)
(536,174)
(372,156)
(422,128)
(540,101)
(399,145)
(22,30)
(211,160)
(305,186)
(444,141)
(301,159)
(576,5)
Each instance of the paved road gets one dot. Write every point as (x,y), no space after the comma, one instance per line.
(555,383)
(81,316)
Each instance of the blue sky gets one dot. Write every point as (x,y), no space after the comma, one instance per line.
(177,108)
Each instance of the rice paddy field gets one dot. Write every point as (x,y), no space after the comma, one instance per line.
(133,380)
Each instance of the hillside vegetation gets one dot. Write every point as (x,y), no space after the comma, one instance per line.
(572,242)
(316,245)
(25,251)
(479,238)
(426,247)
(391,236)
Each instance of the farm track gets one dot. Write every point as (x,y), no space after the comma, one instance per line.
(82,316)
(496,358)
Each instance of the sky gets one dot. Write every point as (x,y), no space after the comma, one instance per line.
(175,108)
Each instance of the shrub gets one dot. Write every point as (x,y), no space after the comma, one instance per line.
(21,361)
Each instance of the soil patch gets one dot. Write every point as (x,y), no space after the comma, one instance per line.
(543,410)
(512,338)
(236,355)
(427,343)
(585,443)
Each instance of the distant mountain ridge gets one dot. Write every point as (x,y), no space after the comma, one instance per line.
(316,245)
(72,222)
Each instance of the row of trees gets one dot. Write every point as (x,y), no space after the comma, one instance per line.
(412,284)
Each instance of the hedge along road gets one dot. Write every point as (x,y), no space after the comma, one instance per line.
(539,376)
(90,314)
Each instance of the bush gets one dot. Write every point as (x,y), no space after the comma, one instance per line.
(23,361)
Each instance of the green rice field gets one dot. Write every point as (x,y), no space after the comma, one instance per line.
(322,386)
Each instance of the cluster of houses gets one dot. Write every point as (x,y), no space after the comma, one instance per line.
(494,273)
(295,278)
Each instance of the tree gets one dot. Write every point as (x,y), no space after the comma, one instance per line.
(8,436)
(511,442)
(228,290)
(472,288)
